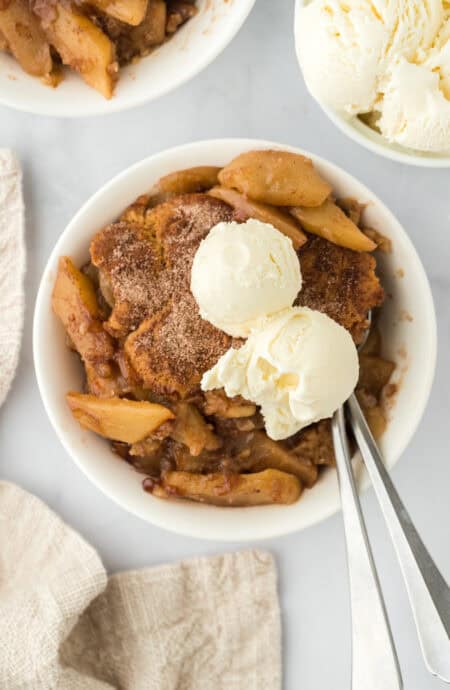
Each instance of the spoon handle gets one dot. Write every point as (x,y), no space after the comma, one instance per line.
(429,594)
(374,659)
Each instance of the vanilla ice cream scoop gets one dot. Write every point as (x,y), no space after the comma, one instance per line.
(387,56)
(340,52)
(243,272)
(415,111)
(299,367)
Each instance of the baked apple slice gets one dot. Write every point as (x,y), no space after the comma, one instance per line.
(247,208)
(83,47)
(279,178)
(74,301)
(331,223)
(266,453)
(188,181)
(193,431)
(118,419)
(261,488)
(128,11)
(24,38)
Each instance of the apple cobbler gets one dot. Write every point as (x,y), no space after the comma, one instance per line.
(95,38)
(130,315)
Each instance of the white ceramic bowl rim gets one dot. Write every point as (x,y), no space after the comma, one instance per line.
(355,129)
(226,524)
(177,61)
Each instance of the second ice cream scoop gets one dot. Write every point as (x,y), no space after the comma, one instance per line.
(299,367)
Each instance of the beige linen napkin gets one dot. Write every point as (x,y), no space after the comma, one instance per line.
(12,267)
(205,624)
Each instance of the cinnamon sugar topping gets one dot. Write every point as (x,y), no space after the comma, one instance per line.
(148,268)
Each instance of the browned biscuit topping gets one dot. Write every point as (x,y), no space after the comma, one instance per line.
(339,282)
(147,267)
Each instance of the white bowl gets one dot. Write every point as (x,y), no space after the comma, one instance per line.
(189,51)
(408,323)
(364,135)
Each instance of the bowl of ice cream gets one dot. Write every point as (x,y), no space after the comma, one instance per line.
(270,356)
(382,77)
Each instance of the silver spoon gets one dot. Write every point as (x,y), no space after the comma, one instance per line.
(374,658)
(429,594)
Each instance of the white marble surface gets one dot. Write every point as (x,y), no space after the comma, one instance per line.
(253,89)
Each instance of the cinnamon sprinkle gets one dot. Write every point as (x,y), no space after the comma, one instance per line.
(148,267)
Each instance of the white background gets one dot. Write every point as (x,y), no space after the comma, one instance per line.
(254,89)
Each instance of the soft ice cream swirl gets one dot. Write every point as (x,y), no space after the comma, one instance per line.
(299,367)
